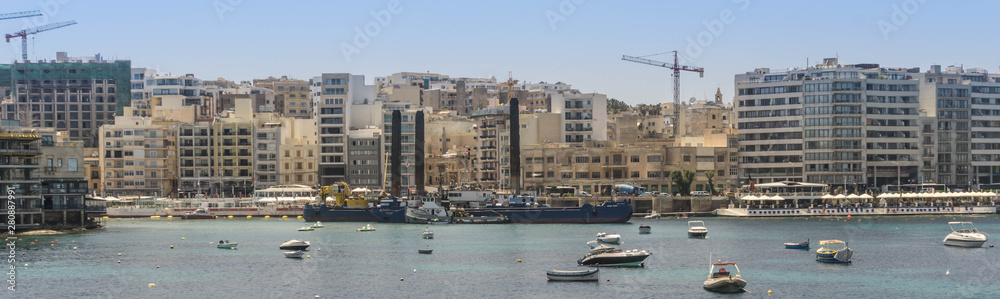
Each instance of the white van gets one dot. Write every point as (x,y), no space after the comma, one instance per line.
(700,193)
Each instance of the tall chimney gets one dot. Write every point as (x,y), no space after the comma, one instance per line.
(418,153)
(396,152)
(515,147)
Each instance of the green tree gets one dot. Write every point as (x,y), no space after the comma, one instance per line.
(616,106)
(710,174)
(683,179)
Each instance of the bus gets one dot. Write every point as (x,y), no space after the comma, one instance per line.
(915,188)
(557,191)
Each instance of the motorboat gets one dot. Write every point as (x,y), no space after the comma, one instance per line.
(800,245)
(697,229)
(964,234)
(294,254)
(306,229)
(427,234)
(581,275)
(425,251)
(198,214)
(426,210)
(653,215)
(367,228)
(827,254)
(644,229)
(318,225)
(226,245)
(294,245)
(605,256)
(609,238)
(723,281)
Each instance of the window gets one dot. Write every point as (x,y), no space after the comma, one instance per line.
(687,158)
(634,159)
(653,158)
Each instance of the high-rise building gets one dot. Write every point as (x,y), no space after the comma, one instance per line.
(291,96)
(73,95)
(332,95)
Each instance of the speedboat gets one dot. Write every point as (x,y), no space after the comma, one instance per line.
(294,254)
(697,229)
(723,281)
(318,225)
(367,228)
(582,275)
(294,245)
(226,245)
(653,215)
(830,255)
(605,256)
(801,245)
(609,238)
(427,234)
(198,214)
(425,251)
(306,229)
(644,229)
(964,234)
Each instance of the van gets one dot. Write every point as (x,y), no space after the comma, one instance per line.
(583,193)
(700,193)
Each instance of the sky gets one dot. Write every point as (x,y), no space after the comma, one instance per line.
(579,42)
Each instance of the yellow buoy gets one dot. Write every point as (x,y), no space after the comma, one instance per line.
(249,216)
(152,285)
(298,217)
(119,261)
(182,238)
(119,254)
(154,217)
(171,246)
(768,292)
(267,216)
(307,256)
(105,217)
(400,279)
(157,266)
(518,260)
(230,216)
(170,216)
(285,216)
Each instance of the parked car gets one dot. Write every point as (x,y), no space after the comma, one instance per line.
(700,193)
(646,194)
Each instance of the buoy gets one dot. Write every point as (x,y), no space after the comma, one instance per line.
(298,217)
(414,270)
(170,216)
(211,243)
(307,256)
(230,216)
(267,216)
(285,216)
(152,285)
(119,261)
(105,217)
(400,279)
(157,266)
(249,216)
(119,254)
(768,292)
(52,245)
(609,279)
(848,216)
(518,260)
(947,272)
(74,247)
(171,246)
(182,238)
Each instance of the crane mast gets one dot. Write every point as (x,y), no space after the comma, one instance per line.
(677,68)
(23,34)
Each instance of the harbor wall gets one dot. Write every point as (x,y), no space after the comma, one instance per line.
(660,204)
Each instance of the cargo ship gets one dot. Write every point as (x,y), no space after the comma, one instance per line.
(337,205)
(524,209)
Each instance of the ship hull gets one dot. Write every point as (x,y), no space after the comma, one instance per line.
(614,212)
(324,213)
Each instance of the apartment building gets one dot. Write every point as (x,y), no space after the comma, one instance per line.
(366,154)
(491,157)
(584,116)
(20,155)
(137,156)
(291,96)
(333,94)
(407,142)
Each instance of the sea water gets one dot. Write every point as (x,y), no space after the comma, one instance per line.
(894,257)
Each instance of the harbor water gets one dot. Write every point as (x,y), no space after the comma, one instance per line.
(894,257)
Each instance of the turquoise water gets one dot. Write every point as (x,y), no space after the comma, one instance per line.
(895,257)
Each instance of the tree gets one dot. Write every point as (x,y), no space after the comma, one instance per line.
(616,106)
(710,174)
(683,180)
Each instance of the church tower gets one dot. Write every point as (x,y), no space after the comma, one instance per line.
(718,96)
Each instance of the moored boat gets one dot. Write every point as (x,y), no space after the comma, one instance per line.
(723,281)
(427,209)
(226,245)
(294,254)
(318,225)
(653,215)
(306,229)
(198,214)
(581,275)
(367,228)
(697,229)
(605,256)
(644,229)
(964,234)
(427,234)
(294,245)
(609,238)
(425,251)
(830,255)
(800,245)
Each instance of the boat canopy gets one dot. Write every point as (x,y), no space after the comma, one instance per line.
(959,222)
(824,242)
(723,263)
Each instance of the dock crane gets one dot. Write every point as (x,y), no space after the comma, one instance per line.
(18,15)
(677,68)
(23,34)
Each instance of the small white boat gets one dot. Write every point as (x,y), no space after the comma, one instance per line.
(367,228)
(830,255)
(605,256)
(294,245)
(697,229)
(964,234)
(306,229)
(294,254)
(609,238)
(644,229)
(581,275)
(427,234)
(318,225)
(226,245)
(653,215)
(723,281)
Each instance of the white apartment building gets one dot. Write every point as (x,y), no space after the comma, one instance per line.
(332,95)
(584,116)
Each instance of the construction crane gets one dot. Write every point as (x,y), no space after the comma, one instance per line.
(23,34)
(677,67)
(18,15)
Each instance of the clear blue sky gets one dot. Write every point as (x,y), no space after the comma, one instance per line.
(583,47)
